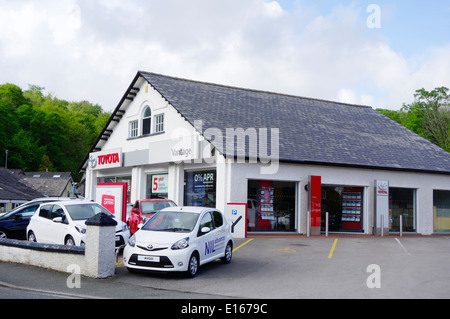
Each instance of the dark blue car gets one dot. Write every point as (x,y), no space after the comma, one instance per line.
(13,225)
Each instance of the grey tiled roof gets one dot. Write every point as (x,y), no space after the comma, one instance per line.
(311,131)
(53,184)
(12,189)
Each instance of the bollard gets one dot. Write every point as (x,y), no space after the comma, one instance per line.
(401,225)
(326,224)
(308,223)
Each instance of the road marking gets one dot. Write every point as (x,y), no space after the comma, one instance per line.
(403,247)
(332,249)
(240,246)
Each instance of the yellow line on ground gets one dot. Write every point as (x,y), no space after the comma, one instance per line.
(332,249)
(243,244)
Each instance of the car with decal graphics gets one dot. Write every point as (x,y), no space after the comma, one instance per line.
(180,239)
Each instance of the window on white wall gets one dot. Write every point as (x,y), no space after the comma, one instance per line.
(159,123)
(134,129)
(147,121)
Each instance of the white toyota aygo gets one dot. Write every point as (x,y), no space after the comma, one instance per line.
(63,223)
(180,239)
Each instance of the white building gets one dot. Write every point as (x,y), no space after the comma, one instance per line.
(290,159)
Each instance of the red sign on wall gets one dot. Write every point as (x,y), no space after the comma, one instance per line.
(315,199)
(108,201)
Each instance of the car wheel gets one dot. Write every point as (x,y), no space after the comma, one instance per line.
(3,235)
(228,254)
(192,266)
(31,237)
(69,241)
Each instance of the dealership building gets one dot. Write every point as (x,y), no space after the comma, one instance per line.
(274,163)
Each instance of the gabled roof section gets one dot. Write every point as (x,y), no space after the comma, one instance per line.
(312,131)
(115,117)
(52,184)
(12,189)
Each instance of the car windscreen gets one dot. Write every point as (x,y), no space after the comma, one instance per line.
(172,222)
(154,206)
(23,210)
(85,211)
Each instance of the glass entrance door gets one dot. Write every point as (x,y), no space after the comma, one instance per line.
(344,205)
(402,202)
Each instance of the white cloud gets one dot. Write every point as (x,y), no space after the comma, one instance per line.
(85,49)
(17,28)
(347,96)
(64,26)
(272,9)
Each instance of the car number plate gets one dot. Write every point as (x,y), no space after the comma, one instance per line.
(154,259)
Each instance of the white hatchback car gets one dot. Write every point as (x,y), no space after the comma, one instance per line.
(63,223)
(180,239)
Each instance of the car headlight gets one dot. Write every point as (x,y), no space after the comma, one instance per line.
(181,244)
(81,230)
(132,241)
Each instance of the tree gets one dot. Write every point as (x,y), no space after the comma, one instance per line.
(12,94)
(9,124)
(429,113)
(43,132)
(25,152)
(46,164)
(428,116)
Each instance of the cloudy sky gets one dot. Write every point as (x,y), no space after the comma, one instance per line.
(375,52)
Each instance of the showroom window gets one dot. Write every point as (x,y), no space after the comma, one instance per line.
(402,202)
(118,179)
(441,211)
(200,188)
(271,206)
(157,186)
(344,205)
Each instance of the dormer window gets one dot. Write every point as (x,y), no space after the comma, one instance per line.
(147,121)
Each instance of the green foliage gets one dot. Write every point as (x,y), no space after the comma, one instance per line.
(46,165)
(428,116)
(45,133)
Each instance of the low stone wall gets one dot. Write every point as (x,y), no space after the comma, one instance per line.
(96,259)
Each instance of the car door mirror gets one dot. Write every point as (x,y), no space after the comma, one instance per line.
(205,230)
(18,216)
(57,220)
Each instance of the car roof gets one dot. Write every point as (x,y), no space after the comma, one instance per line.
(155,200)
(50,199)
(187,209)
(69,202)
